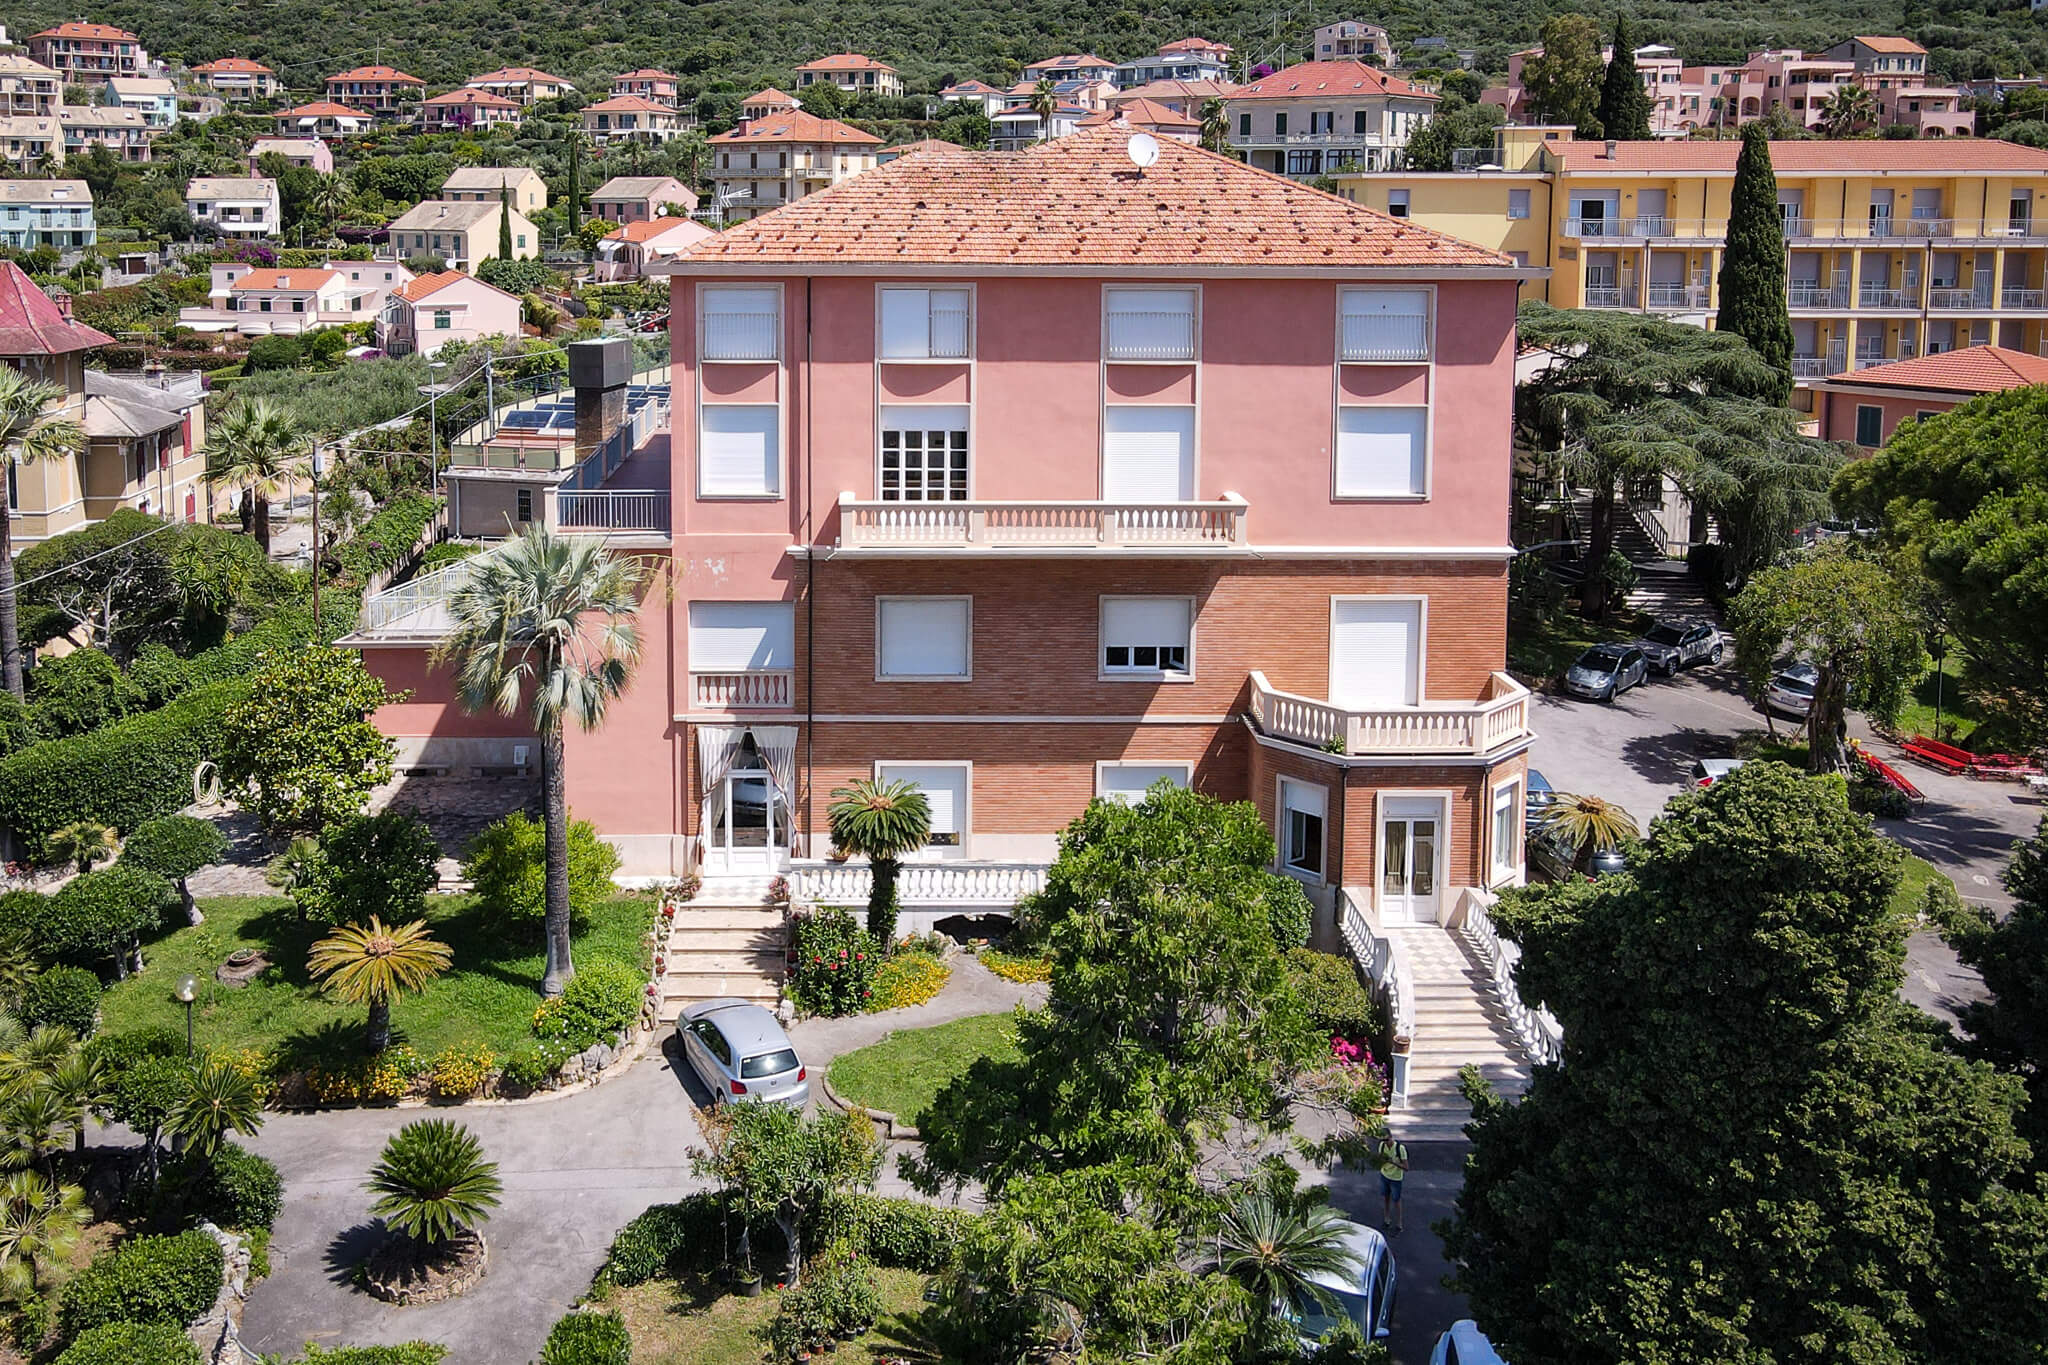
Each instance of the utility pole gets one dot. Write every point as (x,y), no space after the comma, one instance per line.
(319,631)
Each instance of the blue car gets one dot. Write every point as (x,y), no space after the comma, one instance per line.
(1542,796)
(1364,1297)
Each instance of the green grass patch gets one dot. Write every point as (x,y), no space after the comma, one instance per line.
(692,1321)
(1959,715)
(1539,653)
(486,997)
(904,1072)
(1914,878)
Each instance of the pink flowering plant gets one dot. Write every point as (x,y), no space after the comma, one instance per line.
(832,963)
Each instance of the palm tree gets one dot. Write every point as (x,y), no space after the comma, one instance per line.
(1045,101)
(1591,824)
(880,821)
(1215,126)
(28,435)
(256,443)
(1277,1242)
(372,965)
(80,1082)
(28,1059)
(547,618)
(222,1100)
(83,843)
(1846,111)
(432,1182)
(40,1223)
(330,199)
(34,1126)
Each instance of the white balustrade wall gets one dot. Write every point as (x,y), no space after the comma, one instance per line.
(1536,1029)
(1386,972)
(963,883)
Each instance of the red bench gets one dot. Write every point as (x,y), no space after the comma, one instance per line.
(1949,758)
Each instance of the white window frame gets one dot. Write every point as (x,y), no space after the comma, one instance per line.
(1103,420)
(1508,873)
(1104,767)
(771,494)
(967,650)
(882,291)
(1421,601)
(1527,198)
(706,291)
(1194,294)
(936,851)
(885,410)
(1338,493)
(783,630)
(1105,673)
(1284,831)
(1429,314)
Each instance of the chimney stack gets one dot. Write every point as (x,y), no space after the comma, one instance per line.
(1610,149)
(599,371)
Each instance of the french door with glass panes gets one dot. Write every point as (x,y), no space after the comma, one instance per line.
(924,454)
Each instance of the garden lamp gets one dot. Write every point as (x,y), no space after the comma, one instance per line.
(188,991)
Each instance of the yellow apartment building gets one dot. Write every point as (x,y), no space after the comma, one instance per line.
(1893,248)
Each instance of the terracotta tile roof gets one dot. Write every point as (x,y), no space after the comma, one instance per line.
(970,88)
(412,291)
(376,73)
(488,177)
(240,65)
(470,97)
(1068,62)
(1883,43)
(1183,90)
(1933,156)
(846,61)
(1974,369)
(1142,113)
(627,104)
(321,109)
(798,126)
(645,73)
(1078,201)
(309,280)
(926,144)
(32,324)
(511,75)
(648,228)
(1338,78)
(770,95)
(630,187)
(78,28)
(1193,45)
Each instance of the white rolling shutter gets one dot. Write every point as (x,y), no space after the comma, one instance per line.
(1128,782)
(923,637)
(1146,634)
(1148,454)
(741,324)
(945,791)
(924,324)
(1386,324)
(1151,324)
(740,452)
(738,637)
(1375,652)
(1380,451)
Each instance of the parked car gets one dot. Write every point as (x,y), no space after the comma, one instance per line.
(1365,1297)
(1672,645)
(1552,856)
(740,1053)
(1542,796)
(1707,771)
(1791,690)
(1464,1344)
(1604,672)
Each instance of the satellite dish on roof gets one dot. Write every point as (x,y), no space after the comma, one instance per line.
(1143,149)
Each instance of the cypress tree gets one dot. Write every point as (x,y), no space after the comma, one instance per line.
(505,223)
(1753,262)
(1625,106)
(575,183)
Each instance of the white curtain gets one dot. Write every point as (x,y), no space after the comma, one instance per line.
(717,747)
(777,744)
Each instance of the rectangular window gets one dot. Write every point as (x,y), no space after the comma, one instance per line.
(924,638)
(1244,125)
(740,452)
(742,637)
(924,324)
(1360,123)
(1280,125)
(1869,425)
(526,504)
(1148,454)
(1302,811)
(1151,324)
(1127,783)
(1518,203)
(945,787)
(1148,636)
(1382,452)
(742,324)
(924,454)
(1397,203)
(1386,324)
(1507,832)
(443,321)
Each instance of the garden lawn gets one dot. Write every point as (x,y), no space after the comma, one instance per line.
(1539,654)
(692,1322)
(1915,876)
(487,996)
(904,1073)
(1958,711)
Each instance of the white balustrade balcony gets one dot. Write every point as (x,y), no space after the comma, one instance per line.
(938,883)
(1102,526)
(759,689)
(1472,728)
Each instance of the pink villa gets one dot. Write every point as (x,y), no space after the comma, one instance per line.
(1865,406)
(1207,485)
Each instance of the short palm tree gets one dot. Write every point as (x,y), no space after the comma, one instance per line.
(880,821)
(432,1182)
(1846,111)
(1045,102)
(40,1223)
(546,620)
(255,444)
(83,843)
(1215,126)
(27,1059)
(34,1126)
(1591,824)
(222,1100)
(29,434)
(1275,1243)
(371,964)
(80,1082)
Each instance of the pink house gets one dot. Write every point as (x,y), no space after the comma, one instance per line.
(1207,486)
(1866,406)
(427,313)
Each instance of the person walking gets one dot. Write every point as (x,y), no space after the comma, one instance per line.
(1393,1164)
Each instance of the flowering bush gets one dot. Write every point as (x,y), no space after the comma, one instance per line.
(685,890)
(908,978)
(600,1002)
(257,1066)
(1016,968)
(460,1071)
(1357,1072)
(832,965)
(373,1080)
(532,1067)
(778,891)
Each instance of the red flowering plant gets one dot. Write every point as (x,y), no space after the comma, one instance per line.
(832,962)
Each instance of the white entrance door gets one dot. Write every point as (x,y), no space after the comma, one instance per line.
(1411,863)
(747,833)
(1375,652)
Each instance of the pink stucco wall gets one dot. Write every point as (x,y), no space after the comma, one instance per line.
(432,711)
(1838,411)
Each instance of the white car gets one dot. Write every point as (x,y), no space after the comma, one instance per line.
(740,1053)
(1366,1297)
(1707,771)
(1791,690)
(1464,1344)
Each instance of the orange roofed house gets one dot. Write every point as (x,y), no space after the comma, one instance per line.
(1865,406)
(648,84)
(469,107)
(380,90)
(1031,479)
(237,79)
(322,118)
(763,164)
(89,54)
(1319,117)
(851,72)
(521,84)
(631,118)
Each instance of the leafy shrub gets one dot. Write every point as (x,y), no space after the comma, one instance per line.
(368,1080)
(67,997)
(100,914)
(1870,794)
(443,553)
(406,1353)
(693,1234)
(837,1302)
(169,1280)
(835,964)
(382,865)
(666,1239)
(131,1343)
(459,1072)
(518,277)
(279,351)
(532,1067)
(802,1325)
(387,539)
(238,1189)
(600,1002)
(82,691)
(507,864)
(1291,913)
(1015,968)
(174,846)
(588,1339)
(904,1234)
(1337,1001)
(1535,596)
(908,979)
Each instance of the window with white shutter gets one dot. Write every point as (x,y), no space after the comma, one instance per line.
(1151,324)
(924,324)
(946,787)
(928,639)
(924,454)
(1375,651)
(1381,452)
(1148,454)
(1148,637)
(1303,810)
(1127,783)
(739,451)
(741,323)
(1385,324)
(741,637)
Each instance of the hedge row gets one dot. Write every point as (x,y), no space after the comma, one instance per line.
(387,539)
(169,1280)
(692,1235)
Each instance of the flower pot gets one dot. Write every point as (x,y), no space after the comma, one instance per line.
(746,1285)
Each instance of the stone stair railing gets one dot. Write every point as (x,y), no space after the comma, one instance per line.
(1535,1028)
(1386,971)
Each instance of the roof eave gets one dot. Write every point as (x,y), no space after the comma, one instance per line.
(687,265)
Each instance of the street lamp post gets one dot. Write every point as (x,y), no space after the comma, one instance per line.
(188,991)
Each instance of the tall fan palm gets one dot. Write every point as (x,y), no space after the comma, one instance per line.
(1215,126)
(255,444)
(880,821)
(330,199)
(547,619)
(432,1182)
(370,964)
(222,1100)
(40,1223)
(1275,1243)
(29,434)
(1045,101)
(1592,824)
(1846,111)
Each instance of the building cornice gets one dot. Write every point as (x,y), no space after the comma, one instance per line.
(889,270)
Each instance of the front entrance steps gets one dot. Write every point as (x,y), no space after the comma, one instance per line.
(728,942)
(1457,1023)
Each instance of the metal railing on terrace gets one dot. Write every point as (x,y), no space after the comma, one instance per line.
(2011,297)
(1610,296)
(1958,298)
(1800,294)
(1880,296)
(1646,227)
(613,510)
(1677,295)
(1911,229)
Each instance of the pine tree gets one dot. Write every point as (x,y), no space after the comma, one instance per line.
(1625,106)
(1753,262)
(505,223)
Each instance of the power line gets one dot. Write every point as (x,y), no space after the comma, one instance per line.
(98,554)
